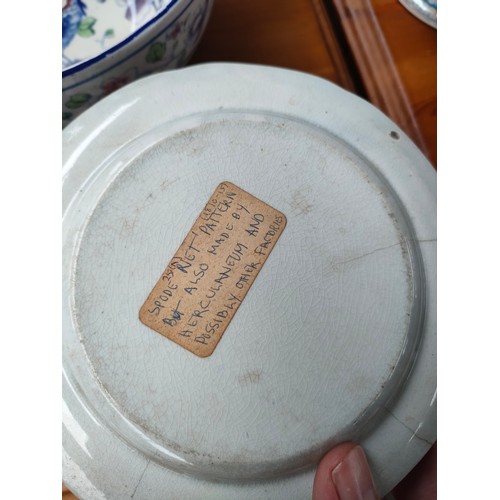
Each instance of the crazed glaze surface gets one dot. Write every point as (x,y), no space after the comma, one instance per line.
(319,348)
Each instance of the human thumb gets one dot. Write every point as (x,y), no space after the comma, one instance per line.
(344,474)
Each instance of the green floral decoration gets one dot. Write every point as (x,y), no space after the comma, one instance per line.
(86,27)
(156,52)
(77,100)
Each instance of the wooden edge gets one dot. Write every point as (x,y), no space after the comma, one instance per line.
(376,65)
(333,45)
(66,494)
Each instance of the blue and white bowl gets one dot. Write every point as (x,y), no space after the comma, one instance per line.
(109,43)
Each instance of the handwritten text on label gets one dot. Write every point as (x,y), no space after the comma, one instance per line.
(206,281)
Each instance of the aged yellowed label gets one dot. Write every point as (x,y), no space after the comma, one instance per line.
(206,281)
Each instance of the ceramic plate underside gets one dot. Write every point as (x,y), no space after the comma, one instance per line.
(335,338)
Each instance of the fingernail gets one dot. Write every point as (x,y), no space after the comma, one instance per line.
(352,477)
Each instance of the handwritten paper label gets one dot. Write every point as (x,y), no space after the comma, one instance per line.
(206,281)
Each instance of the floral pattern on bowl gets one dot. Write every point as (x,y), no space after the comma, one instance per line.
(90,27)
(165,47)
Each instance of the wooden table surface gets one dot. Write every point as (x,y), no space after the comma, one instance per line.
(413,45)
(374,48)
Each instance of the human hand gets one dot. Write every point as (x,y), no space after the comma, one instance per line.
(344,474)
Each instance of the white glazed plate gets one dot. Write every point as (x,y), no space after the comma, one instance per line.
(335,339)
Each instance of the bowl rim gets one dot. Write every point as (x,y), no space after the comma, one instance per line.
(92,60)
